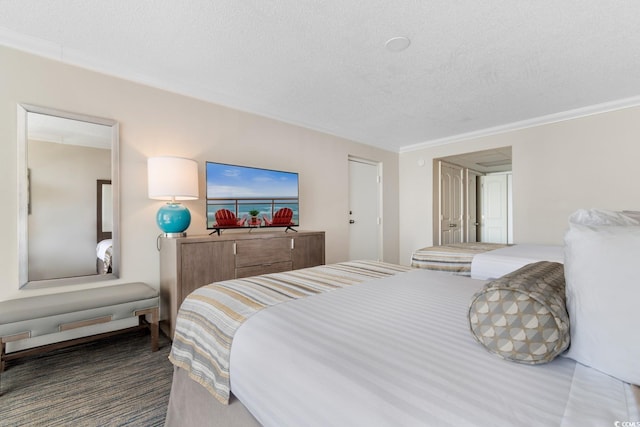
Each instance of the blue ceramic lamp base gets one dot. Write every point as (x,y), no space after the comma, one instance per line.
(173,219)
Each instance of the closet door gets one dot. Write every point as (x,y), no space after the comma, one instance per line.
(451,204)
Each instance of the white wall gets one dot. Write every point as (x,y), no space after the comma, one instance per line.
(557,168)
(155,122)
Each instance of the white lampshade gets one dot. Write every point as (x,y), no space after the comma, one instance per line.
(172,178)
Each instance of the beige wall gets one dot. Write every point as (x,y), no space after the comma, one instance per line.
(155,122)
(62,242)
(585,162)
(557,168)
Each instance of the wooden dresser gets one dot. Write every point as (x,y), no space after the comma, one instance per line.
(188,263)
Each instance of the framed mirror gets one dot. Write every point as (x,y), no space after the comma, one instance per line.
(68,197)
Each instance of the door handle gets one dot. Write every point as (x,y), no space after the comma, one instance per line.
(351,221)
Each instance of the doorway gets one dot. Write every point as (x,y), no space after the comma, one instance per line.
(365,209)
(466,208)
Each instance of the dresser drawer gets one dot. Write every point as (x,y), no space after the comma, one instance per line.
(255,270)
(262,251)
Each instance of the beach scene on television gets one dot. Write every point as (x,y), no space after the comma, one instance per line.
(247,197)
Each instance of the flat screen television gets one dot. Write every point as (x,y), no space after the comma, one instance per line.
(248,197)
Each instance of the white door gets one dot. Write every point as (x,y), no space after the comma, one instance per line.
(510,208)
(451,206)
(365,222)
(495,202)
(472,206)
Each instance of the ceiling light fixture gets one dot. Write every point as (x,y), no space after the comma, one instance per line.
(397,44)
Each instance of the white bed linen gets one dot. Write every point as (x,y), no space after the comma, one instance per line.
(101,248)
(398,352)
(497,263)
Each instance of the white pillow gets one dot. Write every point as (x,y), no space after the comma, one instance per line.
(603,291)
(601,217)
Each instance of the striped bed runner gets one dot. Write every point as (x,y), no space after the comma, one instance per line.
(454,258)
(210,316)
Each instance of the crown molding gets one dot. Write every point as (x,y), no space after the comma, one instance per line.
(30,44)
(524,124)
(57,52)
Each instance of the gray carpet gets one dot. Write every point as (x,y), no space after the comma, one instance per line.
(117,381)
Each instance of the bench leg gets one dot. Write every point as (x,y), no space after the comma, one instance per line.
(154,325)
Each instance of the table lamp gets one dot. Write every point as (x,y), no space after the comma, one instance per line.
(173,179)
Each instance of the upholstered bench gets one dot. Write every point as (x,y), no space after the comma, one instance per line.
(46,314)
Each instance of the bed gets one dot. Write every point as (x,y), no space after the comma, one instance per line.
(104,227)
(483,261)
(366,344)
(104,253)
(496,263)
(454,258)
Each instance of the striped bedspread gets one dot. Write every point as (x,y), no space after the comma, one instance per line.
(453,258)
(210,316)
(399,352)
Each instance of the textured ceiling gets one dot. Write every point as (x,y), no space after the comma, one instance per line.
(471,65)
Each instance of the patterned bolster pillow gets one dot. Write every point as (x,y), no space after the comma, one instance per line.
(522,316)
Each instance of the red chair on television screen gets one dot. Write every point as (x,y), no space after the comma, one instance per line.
(282,218)
(227,219)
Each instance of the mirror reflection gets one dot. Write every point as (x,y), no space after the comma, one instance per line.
(69,229)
